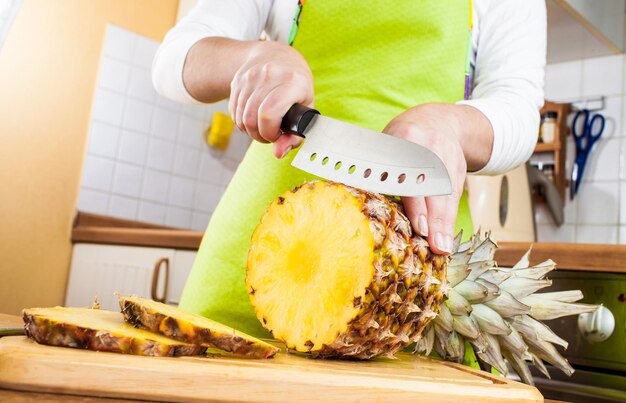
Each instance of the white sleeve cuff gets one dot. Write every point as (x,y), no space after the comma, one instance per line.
(167,68)
(515,132)
(235,19)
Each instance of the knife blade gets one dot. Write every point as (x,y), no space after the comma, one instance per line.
(363,158)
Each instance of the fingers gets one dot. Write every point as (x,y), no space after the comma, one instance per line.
(416,212)
(442,211)
(285,143)
(434,217)
(276,103)
(261,96)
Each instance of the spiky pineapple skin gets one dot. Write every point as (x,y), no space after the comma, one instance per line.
(404,294)
(146,318)
(53,333)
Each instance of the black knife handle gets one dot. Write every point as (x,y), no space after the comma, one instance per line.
(297,119)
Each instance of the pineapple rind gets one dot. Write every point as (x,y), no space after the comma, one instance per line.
(147,315)
(404,294)
(45,329)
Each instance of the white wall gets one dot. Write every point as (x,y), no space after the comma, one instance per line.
(598,213)
(147,159)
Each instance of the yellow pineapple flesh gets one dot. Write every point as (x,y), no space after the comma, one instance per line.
(191,328)
(99,330)
(336,272)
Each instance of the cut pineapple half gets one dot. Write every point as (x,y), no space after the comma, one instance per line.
(333,271)
(338,272)
(191,328)
(99,330)
(320,256)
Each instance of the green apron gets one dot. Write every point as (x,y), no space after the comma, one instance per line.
(371,60)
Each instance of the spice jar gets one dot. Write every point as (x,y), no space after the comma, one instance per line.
(548,127)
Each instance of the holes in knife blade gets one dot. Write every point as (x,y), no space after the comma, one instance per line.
(338,166)
(313,156)
(421,178)
(367,173)
(384,176)
(325,161)
(401,178)
(351,169)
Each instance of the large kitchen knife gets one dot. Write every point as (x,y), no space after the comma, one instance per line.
(364,158)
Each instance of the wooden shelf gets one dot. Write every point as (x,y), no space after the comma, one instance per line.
(558,146)
(547,147)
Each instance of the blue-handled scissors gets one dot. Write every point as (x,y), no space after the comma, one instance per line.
(587,129)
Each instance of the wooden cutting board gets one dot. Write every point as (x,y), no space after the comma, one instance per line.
(25,365)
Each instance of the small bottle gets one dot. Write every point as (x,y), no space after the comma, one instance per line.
(548,127)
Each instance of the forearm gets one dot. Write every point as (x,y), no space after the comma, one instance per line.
(211,65)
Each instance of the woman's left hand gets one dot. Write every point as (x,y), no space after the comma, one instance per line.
(432,126)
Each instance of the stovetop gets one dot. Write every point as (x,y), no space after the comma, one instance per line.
(595,340)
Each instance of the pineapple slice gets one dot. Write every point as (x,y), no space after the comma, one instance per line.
(191,328)
(99,330)
(335,272)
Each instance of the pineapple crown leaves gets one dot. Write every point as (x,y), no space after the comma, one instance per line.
(499,311)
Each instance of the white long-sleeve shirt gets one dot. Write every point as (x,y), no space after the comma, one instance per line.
(508,60)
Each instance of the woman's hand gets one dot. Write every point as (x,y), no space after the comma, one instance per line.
(442,129)
(272,78)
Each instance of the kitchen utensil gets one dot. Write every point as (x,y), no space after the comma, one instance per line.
(551,194)
(25,365)
(10,325)
(587,128)
(502,204)
(364,158)
(11,331)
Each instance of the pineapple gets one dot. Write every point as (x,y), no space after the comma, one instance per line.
(337,272)
(191,328)
(99,330)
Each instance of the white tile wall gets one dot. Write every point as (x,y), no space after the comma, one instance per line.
(147,159)
(598,213)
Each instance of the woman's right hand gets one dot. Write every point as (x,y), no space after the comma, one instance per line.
(274,77)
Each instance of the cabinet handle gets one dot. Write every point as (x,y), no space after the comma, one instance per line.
(155,279)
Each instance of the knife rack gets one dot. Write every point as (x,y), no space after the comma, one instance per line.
(558,147)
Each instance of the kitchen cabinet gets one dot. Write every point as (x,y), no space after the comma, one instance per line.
(579,29)
(183,261)
(100,270)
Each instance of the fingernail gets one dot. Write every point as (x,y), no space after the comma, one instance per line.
(422,225)
(286,152)
(444,242)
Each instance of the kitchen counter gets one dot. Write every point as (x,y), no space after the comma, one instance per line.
(568,256)
(94,228)
(91,228)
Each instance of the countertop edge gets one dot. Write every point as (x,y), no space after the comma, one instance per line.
(90,228)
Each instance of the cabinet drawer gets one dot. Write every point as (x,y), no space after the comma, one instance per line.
(104,269)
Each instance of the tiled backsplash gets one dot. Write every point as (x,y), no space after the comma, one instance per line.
(147,159)
(598,212)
